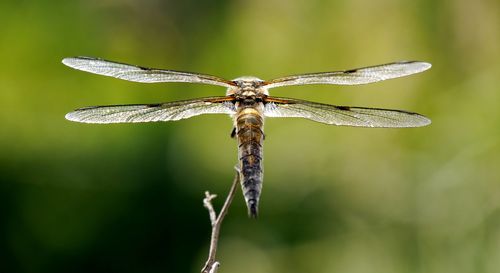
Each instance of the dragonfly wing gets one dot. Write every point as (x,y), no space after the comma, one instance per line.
(354,76)
(343,115)
(153,112)
(140,74)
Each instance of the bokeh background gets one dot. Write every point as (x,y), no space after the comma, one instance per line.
(128,198)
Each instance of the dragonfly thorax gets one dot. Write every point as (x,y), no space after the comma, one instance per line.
(247,86)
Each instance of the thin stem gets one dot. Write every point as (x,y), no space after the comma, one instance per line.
(207,202)
(211,266)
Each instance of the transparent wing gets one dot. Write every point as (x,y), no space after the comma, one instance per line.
(153,112)
(140,74)
(354,76)
(342,115)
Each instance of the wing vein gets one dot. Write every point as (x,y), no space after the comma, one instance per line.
(141,74)
(343,115)
(354,76)
(152,112)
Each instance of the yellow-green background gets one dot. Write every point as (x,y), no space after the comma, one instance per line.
(127,198)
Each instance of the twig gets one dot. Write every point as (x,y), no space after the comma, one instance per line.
(211,266)
(207,203)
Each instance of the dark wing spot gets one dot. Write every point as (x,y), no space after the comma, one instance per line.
(350,71)
(154,105)
(144,68)
(346,108)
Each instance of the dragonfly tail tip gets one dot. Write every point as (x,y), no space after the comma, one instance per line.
(252,211)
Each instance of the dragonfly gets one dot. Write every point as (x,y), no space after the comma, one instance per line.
(248,102)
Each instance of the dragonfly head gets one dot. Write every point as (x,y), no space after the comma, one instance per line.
(247,86)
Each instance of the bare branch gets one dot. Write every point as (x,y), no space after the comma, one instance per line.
(211,265)
(229,198)
(207,203)
(213,268)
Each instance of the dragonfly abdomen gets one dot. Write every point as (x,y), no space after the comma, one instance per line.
(249,125)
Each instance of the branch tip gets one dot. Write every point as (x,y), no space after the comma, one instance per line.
(211,266)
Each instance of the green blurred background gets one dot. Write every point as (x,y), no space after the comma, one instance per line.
(128,198)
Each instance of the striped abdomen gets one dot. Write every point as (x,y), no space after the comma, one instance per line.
(249,126)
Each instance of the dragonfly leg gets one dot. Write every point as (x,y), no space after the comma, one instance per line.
(233,132)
